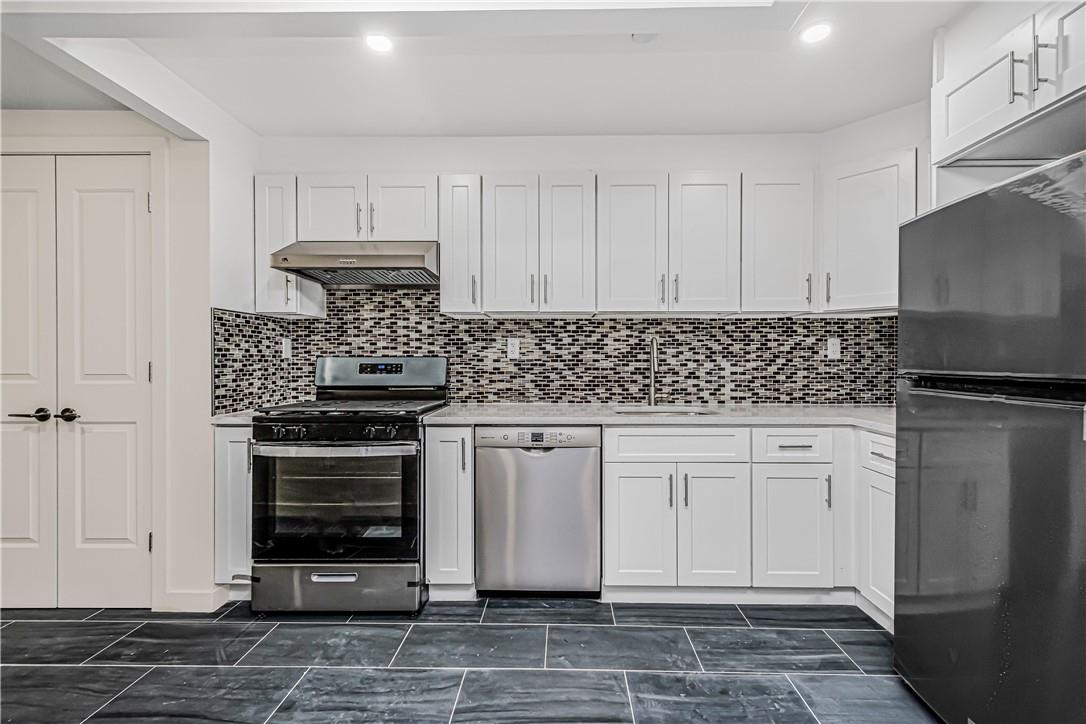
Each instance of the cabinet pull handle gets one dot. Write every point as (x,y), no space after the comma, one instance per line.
(884,456)
(286,288)
(463,454)
(473,289)
(1014,94)
(663,292)
(531,289)
(795,447)
(670,490)
(358,218)
(1037,79)
(249,454)
(829,492)
(544,288)
(676,288)
(828,279)
(371,218)
(686,489)
(808,290)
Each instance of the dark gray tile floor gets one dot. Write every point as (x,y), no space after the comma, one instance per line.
(498,660)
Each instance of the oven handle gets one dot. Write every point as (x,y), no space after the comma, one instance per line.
(398,449)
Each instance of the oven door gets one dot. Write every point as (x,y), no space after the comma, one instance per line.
(336,502)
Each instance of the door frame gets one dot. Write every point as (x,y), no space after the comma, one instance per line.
(156,148)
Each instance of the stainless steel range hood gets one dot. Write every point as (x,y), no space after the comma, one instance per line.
(361,263)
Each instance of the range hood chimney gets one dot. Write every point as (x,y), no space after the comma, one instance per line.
(361,263)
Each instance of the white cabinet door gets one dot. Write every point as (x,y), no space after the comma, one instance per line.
(639,524)
(460,243)
(988,95)
(792,525)
(632,243)
(876,539)
(103,351)
(450,510)
(1061,52)
(567,242)
(331,207)
(402,206)
(511,242)
(233,503)
(864,203)
(275,227)
(714,524)
(703,243)
(778,218)
(28,381)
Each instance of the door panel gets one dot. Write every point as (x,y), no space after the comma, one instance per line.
(714,524)
(876,536)
(639,524)
(793,525)
(632,243)
(704,243)
(511,242)
(403,207)
(330,207)
(461,245)
(28,448)
(450,507)
(103,351)
(567,242)
(778,213)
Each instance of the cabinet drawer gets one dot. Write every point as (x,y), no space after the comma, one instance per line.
(677,444)
(877,452)
(784,444)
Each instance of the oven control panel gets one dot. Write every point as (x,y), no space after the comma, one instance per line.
(337,432)
(537,437)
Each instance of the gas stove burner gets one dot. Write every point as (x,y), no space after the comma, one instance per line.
(320,408)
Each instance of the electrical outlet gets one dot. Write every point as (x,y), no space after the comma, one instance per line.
(287,351)
(512,347)
(833,348)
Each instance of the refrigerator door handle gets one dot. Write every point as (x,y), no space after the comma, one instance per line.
(1030,401)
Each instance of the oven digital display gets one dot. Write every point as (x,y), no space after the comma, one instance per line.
(380,368)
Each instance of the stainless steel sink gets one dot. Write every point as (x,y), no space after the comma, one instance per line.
(651,410)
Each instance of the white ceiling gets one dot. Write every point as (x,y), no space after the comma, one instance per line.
(28,81)
(726,70)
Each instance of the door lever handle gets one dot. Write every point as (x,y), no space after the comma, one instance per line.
(41,414)
(69,415)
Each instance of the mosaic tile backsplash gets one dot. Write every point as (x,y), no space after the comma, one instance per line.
(725,360)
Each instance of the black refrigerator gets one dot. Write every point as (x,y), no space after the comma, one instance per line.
(990,589)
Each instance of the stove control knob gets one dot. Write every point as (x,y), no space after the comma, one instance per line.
(301,432)
(390,432)
(369,432)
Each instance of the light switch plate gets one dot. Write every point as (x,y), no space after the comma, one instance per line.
(512,348)
(833,348)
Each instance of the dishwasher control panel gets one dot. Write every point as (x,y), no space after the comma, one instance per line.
(531,437)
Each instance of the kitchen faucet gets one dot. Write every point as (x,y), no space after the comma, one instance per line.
(654,365)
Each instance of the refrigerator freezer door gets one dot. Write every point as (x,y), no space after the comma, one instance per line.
(991,564)
(995,284)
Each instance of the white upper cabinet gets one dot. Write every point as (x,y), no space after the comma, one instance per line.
(995,90)
(402,207)
(704,242)
(331,207)
(632,243)
(1060,66)
(793,525)
(460,243)
(275,227)
(567,242)
(778,210)
(510,242)
(863,205)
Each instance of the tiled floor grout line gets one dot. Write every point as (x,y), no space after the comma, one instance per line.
(457,699)
(796,689)
(397,651)
(831,638)
(546,644)
(740,610)
(111,643)
(110,700)
(261,639)
(219,617)
(287,695)
(486,602)
(629,698)
(614,621)
(693,648)
(94,614)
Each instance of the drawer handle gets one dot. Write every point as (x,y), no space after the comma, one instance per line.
(333,577)
(884,456)
(795,447)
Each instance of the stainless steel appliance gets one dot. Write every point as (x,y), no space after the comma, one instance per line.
(361,263)
(537,509)
(337,488)
(990,604)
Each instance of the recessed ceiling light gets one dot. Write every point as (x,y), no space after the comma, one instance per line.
(380,43)
(816,33)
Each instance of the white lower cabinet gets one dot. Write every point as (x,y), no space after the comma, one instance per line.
(876,539)
(233,503)
(793,525)
(449,508)
(668,524)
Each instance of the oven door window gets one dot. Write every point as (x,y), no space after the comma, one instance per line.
(341,502)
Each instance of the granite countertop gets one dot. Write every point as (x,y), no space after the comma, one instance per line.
(876,418)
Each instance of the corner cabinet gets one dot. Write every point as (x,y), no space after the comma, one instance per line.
(275,227)
(460,243)
(450,509)
(233,503)
(778,241)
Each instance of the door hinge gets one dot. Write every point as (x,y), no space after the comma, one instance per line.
(148,202)
(150,541)
(149,372)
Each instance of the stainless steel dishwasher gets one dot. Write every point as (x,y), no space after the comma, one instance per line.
(537,509)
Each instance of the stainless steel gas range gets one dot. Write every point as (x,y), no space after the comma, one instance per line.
(337,488)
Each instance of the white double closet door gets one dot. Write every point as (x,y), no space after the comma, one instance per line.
(75,496)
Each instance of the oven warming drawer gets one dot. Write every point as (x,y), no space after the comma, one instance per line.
(335,587)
